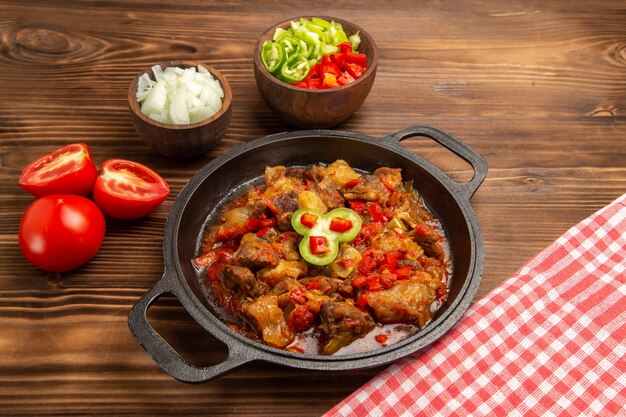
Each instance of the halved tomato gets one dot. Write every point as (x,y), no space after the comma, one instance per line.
(68,170)
(128,190)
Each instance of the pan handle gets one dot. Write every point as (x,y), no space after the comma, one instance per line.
(478,163)
(162,353)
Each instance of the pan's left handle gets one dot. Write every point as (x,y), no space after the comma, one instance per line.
(476,160)
(162,353)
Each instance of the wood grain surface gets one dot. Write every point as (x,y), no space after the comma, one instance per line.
(538,88)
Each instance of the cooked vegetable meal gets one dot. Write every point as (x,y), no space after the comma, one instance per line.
(325,259)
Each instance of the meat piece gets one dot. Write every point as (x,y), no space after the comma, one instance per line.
(395,241)
(312,201)
(284,185)
(284,269)
(343,324)
(286,244)
(284,221)
(406,300)
(273,174)
(370,188)
(271,320)
(237,277)
(255,252)
(408,210)
(296,172)
(435,267)
(391,177)
(286,202)
(329,195)
(345,262)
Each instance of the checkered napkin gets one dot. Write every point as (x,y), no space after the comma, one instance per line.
(549,341)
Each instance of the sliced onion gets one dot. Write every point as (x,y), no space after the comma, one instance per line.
(179,96)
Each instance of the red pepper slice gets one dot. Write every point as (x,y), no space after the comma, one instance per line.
(301,84)
(358,206)
(392,261)
(362,301)
(340,225)
(376,213)
(387,185)
(312,285)
(354,69)
(345,47)
(367,265)
(262,232)
(330,81)
(308,219)
(316,72)
(345,78)
(354,58)
(402,273)
(339,59)
(382,338)
(255,224)
(319,245)
(270,205)
(358,281)
(330,67)
(351,183)
(315,83)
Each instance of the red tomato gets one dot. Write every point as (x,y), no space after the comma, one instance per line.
(68,170)
(128,190)
(61,232)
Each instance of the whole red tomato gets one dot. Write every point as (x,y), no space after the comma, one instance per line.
(68,170)
(128,190)
(61,232)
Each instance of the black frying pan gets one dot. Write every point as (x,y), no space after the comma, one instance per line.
(215,182)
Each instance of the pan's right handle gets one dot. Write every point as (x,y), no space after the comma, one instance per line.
(162,353)
(478,163)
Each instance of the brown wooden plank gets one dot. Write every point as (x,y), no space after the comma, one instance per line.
(538,88)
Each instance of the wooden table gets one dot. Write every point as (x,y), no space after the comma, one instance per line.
(538,89)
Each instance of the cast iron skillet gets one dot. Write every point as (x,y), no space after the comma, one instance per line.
(216,181)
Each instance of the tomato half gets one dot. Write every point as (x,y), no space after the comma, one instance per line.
(128,190)
(60,232)
(68,170)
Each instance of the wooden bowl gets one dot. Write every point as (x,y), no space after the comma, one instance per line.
(316,108)
(181,140)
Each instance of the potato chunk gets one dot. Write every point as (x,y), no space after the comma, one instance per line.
(271,321)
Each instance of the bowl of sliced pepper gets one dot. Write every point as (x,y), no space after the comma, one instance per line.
(315,72)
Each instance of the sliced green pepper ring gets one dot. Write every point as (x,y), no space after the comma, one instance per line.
(346,214)
(321,227)
(290,44)
(295,68)
(322,259)
(298,226)
(273,56)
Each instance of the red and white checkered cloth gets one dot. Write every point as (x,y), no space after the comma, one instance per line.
(549,341)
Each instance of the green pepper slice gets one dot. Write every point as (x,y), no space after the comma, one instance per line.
(321,259)
(346,214)
(295,68)
(321,228)
(290,44)
(320,22)
(273,56)
(300,226)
